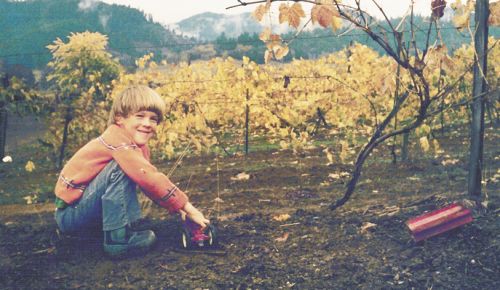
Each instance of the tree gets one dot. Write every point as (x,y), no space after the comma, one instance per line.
(420,61)
(82,75)
(223,43)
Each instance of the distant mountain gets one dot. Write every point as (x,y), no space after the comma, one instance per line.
(27,27)
(208,26)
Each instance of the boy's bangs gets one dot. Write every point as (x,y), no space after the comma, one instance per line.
(142,98)
(149,102)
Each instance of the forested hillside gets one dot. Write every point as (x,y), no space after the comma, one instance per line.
(27,27)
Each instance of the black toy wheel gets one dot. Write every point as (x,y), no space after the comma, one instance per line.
(212,235)
(186,239)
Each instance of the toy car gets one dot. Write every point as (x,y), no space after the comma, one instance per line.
(192,236)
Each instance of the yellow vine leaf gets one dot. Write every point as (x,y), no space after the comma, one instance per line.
(265,35)
(424,143)
(281,217)
(461,20)
(344,151)
(240,73)
(275,39)
(30,166)
(325,15)
(291,14)
(283,132)
(169,150)
(437,148)
(261,10)
(336,23)
(494,19)
(246,60)
(329,156)
(424,130)
(268,55)
(29,199)
(280,52)
(438,57)
(462,13)
(284,144)
(271,39)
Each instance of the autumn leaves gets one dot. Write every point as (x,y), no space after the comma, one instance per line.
(326,16)
(323,14)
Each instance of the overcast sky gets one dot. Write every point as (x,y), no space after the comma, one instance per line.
(172,11)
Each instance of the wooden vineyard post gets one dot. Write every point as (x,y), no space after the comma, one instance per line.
(247,119)
(478,90)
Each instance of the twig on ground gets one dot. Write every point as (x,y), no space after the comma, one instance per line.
(291,224)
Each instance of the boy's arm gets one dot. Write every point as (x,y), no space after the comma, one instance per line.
(155,184)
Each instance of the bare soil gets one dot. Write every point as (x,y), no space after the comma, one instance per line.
(276,232)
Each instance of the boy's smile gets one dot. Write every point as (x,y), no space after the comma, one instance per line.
(141,126)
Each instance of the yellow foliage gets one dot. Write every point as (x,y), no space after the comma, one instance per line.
(30,166)
(351,102)
(424,130)
(494,19)
(424,143)
(82,71)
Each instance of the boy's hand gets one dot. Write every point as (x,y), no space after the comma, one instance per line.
(194,214)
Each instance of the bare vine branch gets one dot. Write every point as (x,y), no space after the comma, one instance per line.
(401,52)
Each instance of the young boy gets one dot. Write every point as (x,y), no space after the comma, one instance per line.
(97,186)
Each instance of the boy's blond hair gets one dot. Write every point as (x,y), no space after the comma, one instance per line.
(134,99)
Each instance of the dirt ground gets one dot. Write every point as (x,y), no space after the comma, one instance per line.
(276,232)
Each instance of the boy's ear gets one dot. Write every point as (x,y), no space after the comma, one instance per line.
(118,120)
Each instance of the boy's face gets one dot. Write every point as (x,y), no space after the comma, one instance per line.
(141,126)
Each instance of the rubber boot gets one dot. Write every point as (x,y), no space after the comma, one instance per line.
(124,242)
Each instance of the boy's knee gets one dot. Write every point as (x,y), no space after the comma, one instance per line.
(115,172)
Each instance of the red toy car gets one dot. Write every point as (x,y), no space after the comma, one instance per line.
(193,236)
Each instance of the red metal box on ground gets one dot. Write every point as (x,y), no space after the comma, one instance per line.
(439,221)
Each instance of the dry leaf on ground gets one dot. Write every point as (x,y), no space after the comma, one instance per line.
(241,176)
(366,226)
(281,217)
(282,238)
